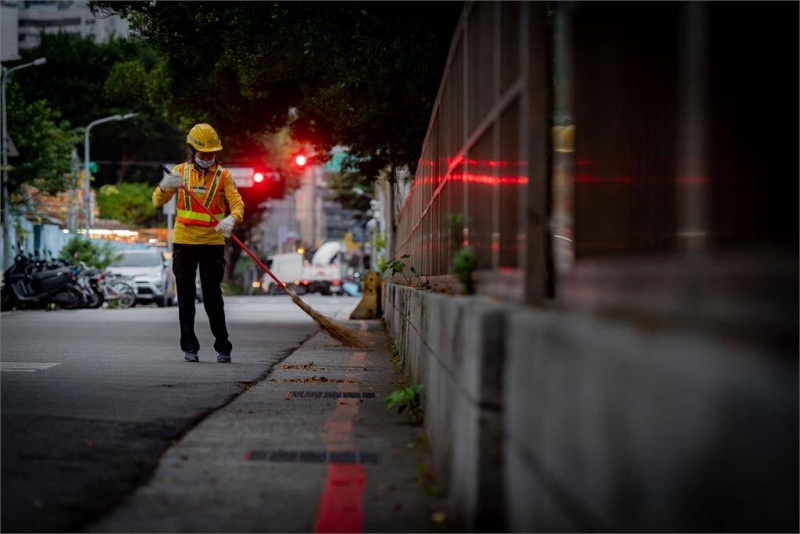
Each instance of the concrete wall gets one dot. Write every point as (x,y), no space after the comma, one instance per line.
(542,421)
(52,239)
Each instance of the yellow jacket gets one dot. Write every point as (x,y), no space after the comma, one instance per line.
(190,234)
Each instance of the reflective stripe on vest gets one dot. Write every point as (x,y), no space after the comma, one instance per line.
(201,218)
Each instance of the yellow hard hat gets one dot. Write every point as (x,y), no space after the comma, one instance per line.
(203,138)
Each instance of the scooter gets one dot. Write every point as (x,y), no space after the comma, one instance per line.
(88,280)
(25,284)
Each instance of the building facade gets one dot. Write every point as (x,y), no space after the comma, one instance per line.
(24,22)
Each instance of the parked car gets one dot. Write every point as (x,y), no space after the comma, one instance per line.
(150,270)
(198,290)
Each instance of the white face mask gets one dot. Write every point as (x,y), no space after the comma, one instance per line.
(204,164)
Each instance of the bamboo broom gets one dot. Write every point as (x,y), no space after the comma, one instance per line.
(341,333)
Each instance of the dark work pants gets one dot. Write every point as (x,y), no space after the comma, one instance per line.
(211,260)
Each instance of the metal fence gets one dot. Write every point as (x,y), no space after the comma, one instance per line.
(577,146)
(471,182)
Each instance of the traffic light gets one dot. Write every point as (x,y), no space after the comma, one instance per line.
(300,160)
(259,183)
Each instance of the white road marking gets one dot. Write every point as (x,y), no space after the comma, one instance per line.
(25,367)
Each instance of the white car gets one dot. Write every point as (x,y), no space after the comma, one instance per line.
(151,273)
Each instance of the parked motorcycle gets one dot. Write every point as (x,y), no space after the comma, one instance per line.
(37,283)
(88,280)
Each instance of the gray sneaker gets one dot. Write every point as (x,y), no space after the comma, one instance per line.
(191,357)
(223,358)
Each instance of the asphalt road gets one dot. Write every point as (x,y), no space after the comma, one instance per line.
(92,398)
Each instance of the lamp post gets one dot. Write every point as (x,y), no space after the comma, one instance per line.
(5,73)
(87,184)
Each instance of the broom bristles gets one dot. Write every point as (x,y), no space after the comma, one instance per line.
(341,333)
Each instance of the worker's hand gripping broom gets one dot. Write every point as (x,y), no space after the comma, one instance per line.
(341,333)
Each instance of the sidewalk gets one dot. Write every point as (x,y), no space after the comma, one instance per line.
(310,448)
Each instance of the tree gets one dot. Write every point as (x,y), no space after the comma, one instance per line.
(127,202)
(98,80)
(44,144)
(345,185)
(93,253)
(363,75)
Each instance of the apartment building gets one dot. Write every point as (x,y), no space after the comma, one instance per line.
(24,22)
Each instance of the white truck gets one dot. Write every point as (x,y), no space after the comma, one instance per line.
(324,274)
(288,268)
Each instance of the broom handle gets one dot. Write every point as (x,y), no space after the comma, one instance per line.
(236,240)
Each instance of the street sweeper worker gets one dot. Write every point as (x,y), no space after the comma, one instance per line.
(198,240)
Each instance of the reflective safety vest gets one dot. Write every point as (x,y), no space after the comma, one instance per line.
(189,212)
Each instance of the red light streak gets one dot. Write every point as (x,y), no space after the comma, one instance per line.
(488,179)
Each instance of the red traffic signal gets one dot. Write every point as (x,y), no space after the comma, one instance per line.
(258,177)
(300,160)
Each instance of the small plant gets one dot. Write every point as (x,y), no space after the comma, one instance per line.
(455,225)
(381,264)
(394,356)
(464,263)
(398,266)
(406,397)
(378,242)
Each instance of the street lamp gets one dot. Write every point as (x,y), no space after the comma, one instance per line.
(5,73)
(87,183)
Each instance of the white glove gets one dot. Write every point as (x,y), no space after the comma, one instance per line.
(226,225)
(170,181)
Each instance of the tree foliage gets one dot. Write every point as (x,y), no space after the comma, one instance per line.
(93,252)
(127,202)
(97,80)
(346,186)
(362,75)
(44,143)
